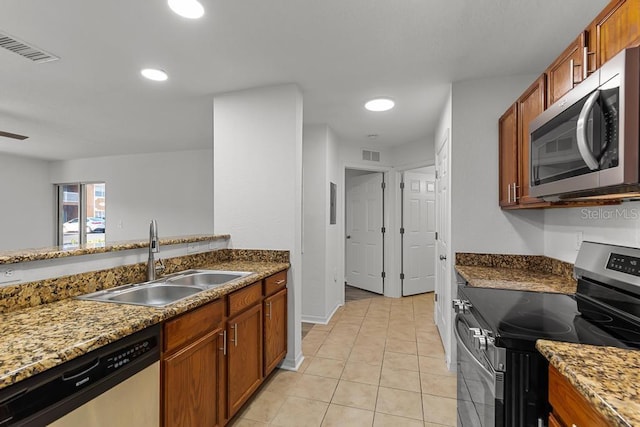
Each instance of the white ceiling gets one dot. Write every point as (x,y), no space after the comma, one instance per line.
(93,101)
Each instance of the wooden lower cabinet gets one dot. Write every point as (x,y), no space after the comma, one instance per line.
(244,357)
(275,330)
(216,356)
(190,383)
(570,408)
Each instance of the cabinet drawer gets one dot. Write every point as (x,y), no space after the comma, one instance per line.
(192,325)
(569,405)
(273,284)
(244,298)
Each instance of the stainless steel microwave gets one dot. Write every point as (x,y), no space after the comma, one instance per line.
(586,144)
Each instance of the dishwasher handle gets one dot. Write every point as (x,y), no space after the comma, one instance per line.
(79,372)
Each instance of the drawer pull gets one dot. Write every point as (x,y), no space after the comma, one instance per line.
(224,342)
(235,334)
(280,282)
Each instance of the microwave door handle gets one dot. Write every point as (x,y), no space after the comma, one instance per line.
(581,132)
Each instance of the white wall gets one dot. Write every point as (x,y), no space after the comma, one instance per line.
(335,276)
(27,213)
(478,223)
(564,228)
(322,289)
(257,156)
(413,154)
(315,218)
(174,188)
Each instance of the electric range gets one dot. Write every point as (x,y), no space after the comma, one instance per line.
(502,379)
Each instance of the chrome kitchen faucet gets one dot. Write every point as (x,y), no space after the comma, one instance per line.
(154,247)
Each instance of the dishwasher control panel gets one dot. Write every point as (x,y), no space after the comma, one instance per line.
(126,355)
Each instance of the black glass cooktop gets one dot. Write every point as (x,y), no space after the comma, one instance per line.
(518,318)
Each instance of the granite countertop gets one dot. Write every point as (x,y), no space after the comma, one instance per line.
(608,377)
(35,254)
(35,339)
(516,272)
(516,279)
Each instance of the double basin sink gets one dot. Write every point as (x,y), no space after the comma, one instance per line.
(167,290)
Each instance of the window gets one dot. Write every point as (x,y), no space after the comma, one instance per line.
(81,203)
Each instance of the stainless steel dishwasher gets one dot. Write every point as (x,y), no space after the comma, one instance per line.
(118,384)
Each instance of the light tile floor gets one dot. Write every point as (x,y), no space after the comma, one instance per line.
(379,362)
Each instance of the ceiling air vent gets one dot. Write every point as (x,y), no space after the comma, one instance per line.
(23,49)
(373,156)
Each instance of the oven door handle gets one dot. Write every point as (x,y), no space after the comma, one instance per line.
(581,132)
(469,353)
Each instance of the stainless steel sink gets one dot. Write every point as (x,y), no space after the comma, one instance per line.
(208,278)
(157,294)
(167,290)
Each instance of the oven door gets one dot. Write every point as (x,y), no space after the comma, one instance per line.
(480,388)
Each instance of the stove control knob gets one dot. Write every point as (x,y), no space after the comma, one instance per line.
(466,307)
(461,306)
(481,342)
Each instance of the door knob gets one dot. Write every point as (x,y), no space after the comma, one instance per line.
(348,237)
(443,257)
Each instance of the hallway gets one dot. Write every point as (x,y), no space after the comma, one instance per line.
(379,362)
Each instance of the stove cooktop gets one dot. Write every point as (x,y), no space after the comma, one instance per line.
(518,318)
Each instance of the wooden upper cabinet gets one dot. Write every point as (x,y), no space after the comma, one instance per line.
(614,29)
(567,70)
(530,105)
(508,156)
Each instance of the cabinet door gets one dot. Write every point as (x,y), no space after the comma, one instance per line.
(244,357)
(553,422)
(566,71)
(275,330)
(616,28)
(190,384)
(530,105)
(508,156)
(569,406)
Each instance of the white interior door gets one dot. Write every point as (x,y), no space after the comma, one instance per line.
(418,243)
(364,244)
(443,277)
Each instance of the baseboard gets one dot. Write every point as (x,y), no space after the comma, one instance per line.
(319,320)
(292,365)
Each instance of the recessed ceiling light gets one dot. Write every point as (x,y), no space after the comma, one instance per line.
(191,9)
(379,104)
(154,74)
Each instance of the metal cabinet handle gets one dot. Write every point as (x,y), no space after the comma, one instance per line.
(224,342)
(280,282)
(269,312)
(572,65)
(508,193)
(585,62)
(235,334)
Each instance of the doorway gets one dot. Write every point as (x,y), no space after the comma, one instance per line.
(364,229)
(417,230)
